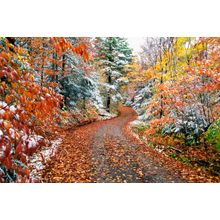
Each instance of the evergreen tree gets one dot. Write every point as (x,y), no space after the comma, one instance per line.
(114,53)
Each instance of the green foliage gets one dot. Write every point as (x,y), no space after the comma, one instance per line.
(113,55)
(180,158)
(183,159)
(212,135)
(140,128)
(191,141)
(173,155)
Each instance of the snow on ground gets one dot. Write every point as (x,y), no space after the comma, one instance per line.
(134,124)
(104,115)
(38,160)
(1,133)
(3,104)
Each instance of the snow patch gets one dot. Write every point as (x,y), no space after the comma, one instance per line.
(38,160)
(131,127)
(3,104)
(136,123)
(2,154)
(33,141)
(12,132)
(2,171)
(104,115)
(12,108)
(2,111)
(3,148)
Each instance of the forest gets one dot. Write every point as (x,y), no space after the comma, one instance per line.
(91,109)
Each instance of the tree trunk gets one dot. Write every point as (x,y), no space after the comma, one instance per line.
(55,76)
(11,40)
(42,72)
(63,64)
(108,103)
(109,80)
(63,73)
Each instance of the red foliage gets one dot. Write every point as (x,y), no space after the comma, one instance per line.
(28,107)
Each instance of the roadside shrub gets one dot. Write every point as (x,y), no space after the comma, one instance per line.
(212,136)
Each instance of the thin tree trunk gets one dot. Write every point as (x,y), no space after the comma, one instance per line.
(108,103)
(42,72)
(109,80)
(63,64)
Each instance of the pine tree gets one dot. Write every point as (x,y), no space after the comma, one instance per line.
(114,53)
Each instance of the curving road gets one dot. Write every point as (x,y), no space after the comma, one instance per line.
(108,152)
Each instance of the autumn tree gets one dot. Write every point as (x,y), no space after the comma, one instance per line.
(24,107)
(31,86)
(180,76)
(182,103)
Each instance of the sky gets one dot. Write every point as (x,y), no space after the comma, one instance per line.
(135,43)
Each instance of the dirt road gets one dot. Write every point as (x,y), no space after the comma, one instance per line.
(105,151)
